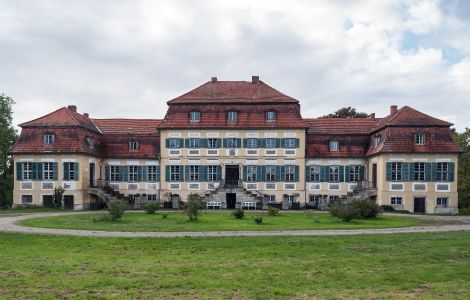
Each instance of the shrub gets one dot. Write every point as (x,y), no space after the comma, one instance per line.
(116,210)
(387,208)
(365,208)
(465,211)
(151,207)
(258,219)
(239,213)
(344,212)
(273,211)
(164,216)
(193,206)
(58,194)
(101,218)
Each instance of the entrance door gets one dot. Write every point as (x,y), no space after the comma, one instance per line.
(68,202)
(47,200)
(420,205)
(374,176)
(92,174)
(231,200)
(232,174)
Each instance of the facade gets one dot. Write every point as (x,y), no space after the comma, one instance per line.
(238,144)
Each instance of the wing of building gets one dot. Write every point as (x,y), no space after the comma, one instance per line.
(238,144)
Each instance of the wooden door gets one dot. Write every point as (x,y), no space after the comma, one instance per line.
(68,202)
(420,205)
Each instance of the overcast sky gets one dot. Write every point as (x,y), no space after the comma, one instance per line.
(127,58)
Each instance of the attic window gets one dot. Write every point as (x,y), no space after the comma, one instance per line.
(49,138)
(232,115)
(194,116)
(89,141)
(270,115)
(377,140)
(419,138)
(334,145)
(133,145)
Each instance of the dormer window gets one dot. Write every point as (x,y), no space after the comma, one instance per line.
(89,141)
(49,138)
(270,115)
(377,139)
(334,145)
(195,116)
(232,115)
(133,145)
(419,138)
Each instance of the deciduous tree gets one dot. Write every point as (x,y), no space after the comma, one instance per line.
(8,137)
(347,112)
(463,139)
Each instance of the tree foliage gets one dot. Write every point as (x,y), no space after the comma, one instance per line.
(463,139)
(8,137)
(347,112)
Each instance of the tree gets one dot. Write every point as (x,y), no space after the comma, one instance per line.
(58,195)
(463,139)
(8,137)
(347,112)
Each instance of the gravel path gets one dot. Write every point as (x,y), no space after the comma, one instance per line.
(9,223)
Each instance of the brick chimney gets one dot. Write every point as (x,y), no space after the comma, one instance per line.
(393,109)
(73,108)
(86,115)
(213,79)
(254,79)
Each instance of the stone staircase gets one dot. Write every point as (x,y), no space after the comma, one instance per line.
(363,190)
(242,195)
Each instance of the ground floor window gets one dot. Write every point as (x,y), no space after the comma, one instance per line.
(290,199)
(442,202)
(152,197)
(271,198)
(396,200)
(314,199)
(114,173)
(174,173)
(133,173)
(212,173)
(26,199)
(333,199)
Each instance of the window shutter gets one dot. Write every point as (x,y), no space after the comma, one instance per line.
(341,173)
(245,143)
(140,175)
(245,173)
(144,173)
(307,173)
(428,172)
(296,174)
(77,171)
(186,173)
(167,173)
(433,171)
(406,171)
(346,173)
(262,143)
(260,176)
(451,171)
(323,173)
(283,143)
(224,143)
(389,171)
(202,173)
(218,143)
(19,171)
(362,170)
(107,173)
(35,171)
(297,143)
(203,143)
(278,143)
(158,172)
(167,142)
(238,143)
(124,173)
(54,171)
(282,174)
(278,173)
(218,170)
(186,143)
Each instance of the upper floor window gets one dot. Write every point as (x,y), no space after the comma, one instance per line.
(232,143)
(174,143)
(114,173)
(270,173)
(419,138)
(354,173)
(270,143)
(193,173)
(291,143)
(212,173)
(133,145)
(377,139)
(89,141)
(175,173)
(193,143)
(133,173)
(195,116)
(48,171)
(419,171)
(314,173)
(270,115)
(49,138)
(252,174)
(152,173)
(252,143)
(334,145)
(396,170)
(212,143)
(442,171)
(232,115)
(334,174)
(290,173)
(27,171)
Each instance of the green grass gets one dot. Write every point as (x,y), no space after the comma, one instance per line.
(9,211)
(215,221)
(399,266)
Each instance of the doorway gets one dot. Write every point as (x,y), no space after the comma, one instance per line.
(420,205)
(92,174)
(374,176)
(232,175)
(231,199)
(68,202)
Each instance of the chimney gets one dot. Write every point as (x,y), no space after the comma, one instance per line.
(372,116)
(213,79)
(254,79)
(393,109)
(73,108)
(86,115)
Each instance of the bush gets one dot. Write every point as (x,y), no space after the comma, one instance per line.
(273,211)
(116,210)
(365,208)
(465,211)
(344,212)
(239,213)
(101,218)
(58,194)
(164,216)
(258,219)
(151,207)
(387,208)
(193,206)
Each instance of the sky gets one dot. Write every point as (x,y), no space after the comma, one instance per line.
(128,58)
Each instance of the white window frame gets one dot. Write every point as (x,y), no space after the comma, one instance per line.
(271,199)
(195,116)
(251,173)
(27,171)
(353,175)
(314,173)
(232,115)
(397,199)
(419,138)
(333,145)
(442,171)
(27,202)
(152,173)
(193,173)
(271,176)
(252,143)
(133,145)
(174,143)
(439,201)
(289,175)
(290,143)
(333,174)
(212,173)
(133,173)
(194,143)
(48,171)
(212,143)
(270,115)
(419,171)
(49,138)
(175,173)
(271,140)
(396,170)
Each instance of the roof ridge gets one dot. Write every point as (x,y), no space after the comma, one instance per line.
(71,115)
(21,125)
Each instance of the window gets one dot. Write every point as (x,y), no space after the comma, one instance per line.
(333,199)
(175,173)
(377,139)
(212,143)
(419,138)
(232,143)
(334,145)
(354,173)
(151,197)
(270,115)
(232,116)
(270,173)
(26,199)
(314,199)
(152,173)
(133,145)
(194,116)
(396,200)
(27,171)
(114,173)
(89,141)
(290,198)
(193,143)
(193,173)
(291,143)
(49,138)
(396,171)
(133,173)
(334,174)
(271,199)
(271,143)
(174,143)
(419,171)
(252,143)
(290,173)
(252,173)
(442,202)
(48,171)
(212,173)
(314,173)
(70,171)
(442,171)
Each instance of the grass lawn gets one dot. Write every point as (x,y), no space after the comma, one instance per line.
(400,266)
(16,211)
(216,221)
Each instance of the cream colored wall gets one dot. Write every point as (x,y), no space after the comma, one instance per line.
(383,186)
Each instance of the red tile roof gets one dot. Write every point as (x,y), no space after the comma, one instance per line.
(117,146)
(127,126)
(233,92)
(353,146)
(341,126)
